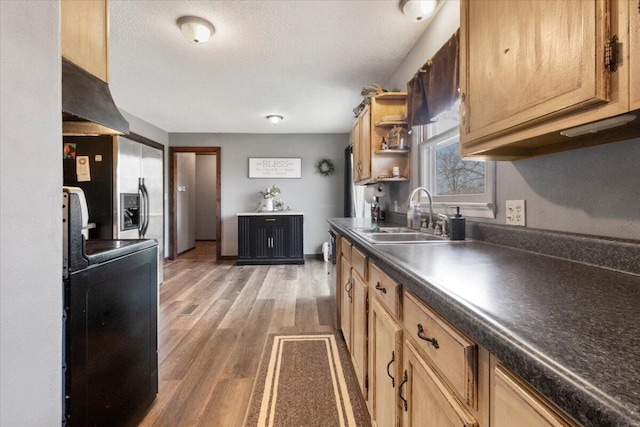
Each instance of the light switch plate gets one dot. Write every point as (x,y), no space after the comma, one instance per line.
(515,213)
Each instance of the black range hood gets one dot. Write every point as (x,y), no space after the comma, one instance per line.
(87,105)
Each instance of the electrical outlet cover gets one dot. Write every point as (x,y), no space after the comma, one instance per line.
(515,212)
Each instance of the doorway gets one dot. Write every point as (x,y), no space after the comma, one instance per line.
(183,197)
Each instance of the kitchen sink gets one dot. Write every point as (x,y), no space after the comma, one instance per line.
(397,235)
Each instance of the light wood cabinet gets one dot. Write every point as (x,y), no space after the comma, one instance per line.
(426,399)
(634,54)
(454,355)
(84,35)
(514,402)
(385,361)
(346,310)
(530,69)
(361,142)
(354,308)
(371,162)
(359,329)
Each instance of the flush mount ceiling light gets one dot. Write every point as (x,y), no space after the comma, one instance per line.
(194,29)
(274,118)
(417,10)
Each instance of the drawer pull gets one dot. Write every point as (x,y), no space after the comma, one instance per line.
(393,359)
(422,336)
(270,219)
(380,288)
(404,381)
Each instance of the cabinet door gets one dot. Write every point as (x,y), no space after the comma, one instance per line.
(513,401)
(262,243)
(84,35)
(347,302)
(357,150)
(280,242)
(385,359)
(428,400)
(365,144)
(634,53)
(359,331)
(525,62)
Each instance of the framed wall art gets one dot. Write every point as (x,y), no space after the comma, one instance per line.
(275,167)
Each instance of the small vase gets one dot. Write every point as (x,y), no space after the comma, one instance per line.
(268,205)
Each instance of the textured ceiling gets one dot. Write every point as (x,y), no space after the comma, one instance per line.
(305,60)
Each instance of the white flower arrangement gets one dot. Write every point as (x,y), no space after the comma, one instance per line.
(270,193)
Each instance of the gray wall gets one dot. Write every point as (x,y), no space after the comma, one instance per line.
(206,197)
(317,196)
(588,191)
(30,214)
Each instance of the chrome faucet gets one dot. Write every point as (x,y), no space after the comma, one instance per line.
(430,224)
(445,224)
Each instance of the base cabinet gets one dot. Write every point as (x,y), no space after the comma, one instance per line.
(270,239)
(512,399)
(385,358)
(359,331)
(420,369)
(346,305)
(426,400)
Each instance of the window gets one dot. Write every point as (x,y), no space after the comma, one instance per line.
(451,180)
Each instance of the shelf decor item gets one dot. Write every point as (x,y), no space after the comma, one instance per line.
(325,167)
(267,198)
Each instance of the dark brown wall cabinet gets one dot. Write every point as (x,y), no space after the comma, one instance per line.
(270,239)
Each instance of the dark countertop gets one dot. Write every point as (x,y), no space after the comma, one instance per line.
(569,329)
(98,251)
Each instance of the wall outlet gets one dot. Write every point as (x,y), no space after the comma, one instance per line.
(516,213)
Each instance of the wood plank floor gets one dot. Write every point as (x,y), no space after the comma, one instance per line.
(214,321)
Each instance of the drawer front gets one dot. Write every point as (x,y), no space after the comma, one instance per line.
(386,289)
(512,399)
(451,353)
(345,248)
(359,263)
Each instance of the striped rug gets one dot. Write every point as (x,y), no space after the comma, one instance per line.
(306,380)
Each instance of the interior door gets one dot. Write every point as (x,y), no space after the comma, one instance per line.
(186,201)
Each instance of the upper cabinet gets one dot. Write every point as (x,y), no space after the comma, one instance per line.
(85,35)
(372,162)
(531,69)
(634,54)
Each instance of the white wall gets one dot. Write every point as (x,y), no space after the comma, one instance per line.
(30,214)
(587,191)
(318,197)
(206,197)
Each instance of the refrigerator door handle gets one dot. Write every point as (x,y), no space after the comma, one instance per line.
(143,207)
(147,215)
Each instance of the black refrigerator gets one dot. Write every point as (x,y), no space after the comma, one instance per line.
(110,330)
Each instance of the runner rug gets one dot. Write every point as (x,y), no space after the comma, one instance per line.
(306,380)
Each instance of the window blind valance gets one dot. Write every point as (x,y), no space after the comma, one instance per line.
(434,88)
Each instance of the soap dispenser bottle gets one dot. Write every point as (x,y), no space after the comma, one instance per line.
(457,226)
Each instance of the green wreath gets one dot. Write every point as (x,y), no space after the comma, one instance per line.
(325,167)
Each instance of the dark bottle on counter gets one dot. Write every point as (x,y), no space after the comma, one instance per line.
(457,226)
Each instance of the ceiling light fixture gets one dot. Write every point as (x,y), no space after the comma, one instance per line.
(417,10)
(274,118)
(194,29)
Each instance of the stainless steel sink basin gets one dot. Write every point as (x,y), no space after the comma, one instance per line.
(397,235)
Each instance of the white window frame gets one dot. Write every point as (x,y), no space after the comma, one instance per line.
(473,205)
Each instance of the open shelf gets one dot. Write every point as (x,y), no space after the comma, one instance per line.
(392,96)
(392,123)
(392,151)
